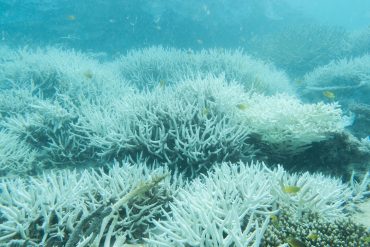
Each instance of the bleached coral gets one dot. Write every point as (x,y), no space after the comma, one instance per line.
(50,71)
(47,130)
(147,68)
(15,155)
(49,209)
(233,204)
(360,189)
(289,125)
(229,207)
(342,76)
(348,80)
(188,125)
(327,197)
(190,122)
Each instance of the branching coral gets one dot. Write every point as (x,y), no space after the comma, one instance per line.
(191,122)
(325,196)
(235,203)
(61,208)
(15,155)
(287,125)
(189,126)
(349,79)
(146,68)
(226,208)
(50,71)
(46,129)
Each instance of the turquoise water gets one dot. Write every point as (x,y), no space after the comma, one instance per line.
(184,123)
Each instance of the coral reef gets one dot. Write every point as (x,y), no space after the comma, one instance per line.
(287,126)
(300,48)
(92,116)
(102,145)
(189,126)
(234,204)
(248,205)
(148,67)
(348,80)
(313,231)
(51,71)
(80,208)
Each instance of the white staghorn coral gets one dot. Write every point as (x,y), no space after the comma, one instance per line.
(50,71)
(344,74)
(58,207)
(146,68)
(325,196)
(46,129)
(289,125)
(16,155)
(231,206)
(189,125)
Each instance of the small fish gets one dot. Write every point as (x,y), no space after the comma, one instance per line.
(71,17)
(293,242)
(291,189)
(242,106)
(199,41)
(329,94)
(88,74)
(162,83)
(274,220)
(312,236)
(70,37)
(367,239)
(205,112)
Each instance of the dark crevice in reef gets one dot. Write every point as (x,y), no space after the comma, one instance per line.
(339,156)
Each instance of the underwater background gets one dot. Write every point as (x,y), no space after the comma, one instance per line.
(184,123)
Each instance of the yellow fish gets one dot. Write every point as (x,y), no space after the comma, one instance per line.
(162,83)
(205,112)
(88,74)
(291,189)
(367,239)
(71,17)
(293,242)
(299,81)
(199,41)
(312,236)
(274,220)
(242,106)
(329,94)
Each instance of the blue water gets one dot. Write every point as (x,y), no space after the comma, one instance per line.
(114,26)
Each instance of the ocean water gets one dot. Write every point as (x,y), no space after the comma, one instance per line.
(184,123)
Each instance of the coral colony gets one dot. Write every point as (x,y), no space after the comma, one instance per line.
(166,147)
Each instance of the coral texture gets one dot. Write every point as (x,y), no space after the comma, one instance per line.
(149,67)
(235,203)
(76,208)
